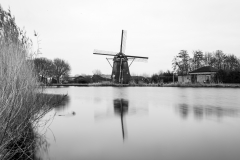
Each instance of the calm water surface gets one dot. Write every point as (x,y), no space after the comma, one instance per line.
(141,123)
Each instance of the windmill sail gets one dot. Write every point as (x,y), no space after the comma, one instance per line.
(136,57)
(107,53)
(123,41)
(132,58)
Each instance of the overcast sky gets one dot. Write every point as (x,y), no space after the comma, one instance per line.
(159,29)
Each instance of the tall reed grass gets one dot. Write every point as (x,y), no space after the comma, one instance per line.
(22,103)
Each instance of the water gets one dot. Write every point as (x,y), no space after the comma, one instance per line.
(141,123)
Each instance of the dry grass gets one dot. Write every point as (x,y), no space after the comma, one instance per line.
(19,103)
(22,103)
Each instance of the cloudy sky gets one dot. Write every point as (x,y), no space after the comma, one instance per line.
(159,29)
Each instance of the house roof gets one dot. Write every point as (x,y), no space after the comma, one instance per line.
(204,69)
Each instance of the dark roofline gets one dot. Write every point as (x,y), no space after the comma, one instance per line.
(204,69)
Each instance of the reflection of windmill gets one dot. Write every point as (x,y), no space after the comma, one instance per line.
(121,107)
(120,68)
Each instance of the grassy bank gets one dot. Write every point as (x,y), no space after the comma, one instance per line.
(148,85)
(102,85)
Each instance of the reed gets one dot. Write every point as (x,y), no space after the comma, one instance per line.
(22,102)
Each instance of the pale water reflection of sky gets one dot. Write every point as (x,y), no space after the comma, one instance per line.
(72,29)
(158,122)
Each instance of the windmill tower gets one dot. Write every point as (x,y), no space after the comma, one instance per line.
(120,68)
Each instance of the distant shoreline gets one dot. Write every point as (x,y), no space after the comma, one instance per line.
(191,85)
(204,85)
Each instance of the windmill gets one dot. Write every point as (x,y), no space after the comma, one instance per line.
(120,68)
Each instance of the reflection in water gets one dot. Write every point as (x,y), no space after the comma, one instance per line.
(121,108)
(183,110)
(199,111)
(63,102)
(94,133)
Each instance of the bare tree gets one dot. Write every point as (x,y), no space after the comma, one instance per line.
(181,62)
(231,62)
(145,75)
(43,67)
(208,59)
(97,72)
(61,68)
(197,59)
(160,72)
(220,58)
(133,74)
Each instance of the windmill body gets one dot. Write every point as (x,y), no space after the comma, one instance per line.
(120,68)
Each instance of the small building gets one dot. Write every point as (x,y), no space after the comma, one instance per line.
(203,74)
(184,78)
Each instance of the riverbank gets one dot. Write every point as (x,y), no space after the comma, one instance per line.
(213,85)
(195,85)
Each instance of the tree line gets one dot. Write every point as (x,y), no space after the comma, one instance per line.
(54,69)
(163,77)
(228,65)
(183,63)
